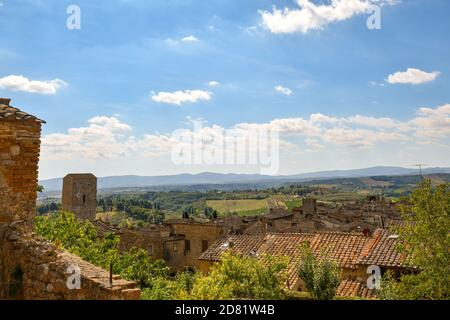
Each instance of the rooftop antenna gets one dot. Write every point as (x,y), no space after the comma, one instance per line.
(420,165)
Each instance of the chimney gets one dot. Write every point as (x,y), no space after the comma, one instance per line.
(5,101)
(382,224)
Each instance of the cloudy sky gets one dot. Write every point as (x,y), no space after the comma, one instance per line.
(340,95)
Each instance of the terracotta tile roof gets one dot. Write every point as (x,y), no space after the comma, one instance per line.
(344,248)
(381,250)
(10,113)
(353,288)
(347,249)
(243,244)
(175,238)
(260,228)
(278,213)
(104,228)
(286,245)
(192,222)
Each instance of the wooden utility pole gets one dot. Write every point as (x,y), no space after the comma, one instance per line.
(111,274)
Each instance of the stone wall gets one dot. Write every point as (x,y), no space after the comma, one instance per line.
(175,253)
(19,156)
(31,268)
(144,238)
(198,235)
(34,269)
(309,207)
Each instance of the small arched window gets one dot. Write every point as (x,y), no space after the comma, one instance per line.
(84,198)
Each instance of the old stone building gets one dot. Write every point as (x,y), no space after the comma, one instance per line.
(79,195)
(30,267)
(179,242)
(189,239)
(307,210)
(19,156)
(151,238)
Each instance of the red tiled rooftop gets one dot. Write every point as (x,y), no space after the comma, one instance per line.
(381,250)
(8,112)
(353,288)
(242,244)
(104,228)
(344,248)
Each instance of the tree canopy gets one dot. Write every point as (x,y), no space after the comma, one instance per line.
(425,240)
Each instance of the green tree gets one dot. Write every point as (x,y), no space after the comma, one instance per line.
(80,237)
(236,277)
(425,240)
(319,273)
(177,288)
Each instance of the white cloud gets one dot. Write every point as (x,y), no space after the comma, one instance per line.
(312,16)
(314,144)
(360,138)
(21,83)
(432,124)
(283,90)
(171,41)
(104,137)
(214,84)
(412,76)
(189,39)
(175,42)
(180,97)
(372,122)
(108,137)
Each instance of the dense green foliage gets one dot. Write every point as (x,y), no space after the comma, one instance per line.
(319,274)
(135,207)
(426,242)
(233,278)
(48,207)
(238,277)
(80,237)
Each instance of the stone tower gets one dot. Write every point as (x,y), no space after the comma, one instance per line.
(79,195)
(309,207)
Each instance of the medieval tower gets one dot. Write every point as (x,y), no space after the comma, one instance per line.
(79,195)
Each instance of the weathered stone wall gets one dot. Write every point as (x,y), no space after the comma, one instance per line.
(309,207)
(79,195)
(34,269)
(150,240)
(175,254)
(31,268)
(19,156)
(196,234)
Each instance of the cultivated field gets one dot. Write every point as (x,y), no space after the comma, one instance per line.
(237,206)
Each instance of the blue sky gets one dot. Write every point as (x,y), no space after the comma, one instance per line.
(110,91)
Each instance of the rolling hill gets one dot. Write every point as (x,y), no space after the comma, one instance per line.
(55,185)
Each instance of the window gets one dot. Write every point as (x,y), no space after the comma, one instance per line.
(204,245)
(84,198)
(175,247)
(150,250)
(187,245)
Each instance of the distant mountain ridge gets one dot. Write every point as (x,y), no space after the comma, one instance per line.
(131,181)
